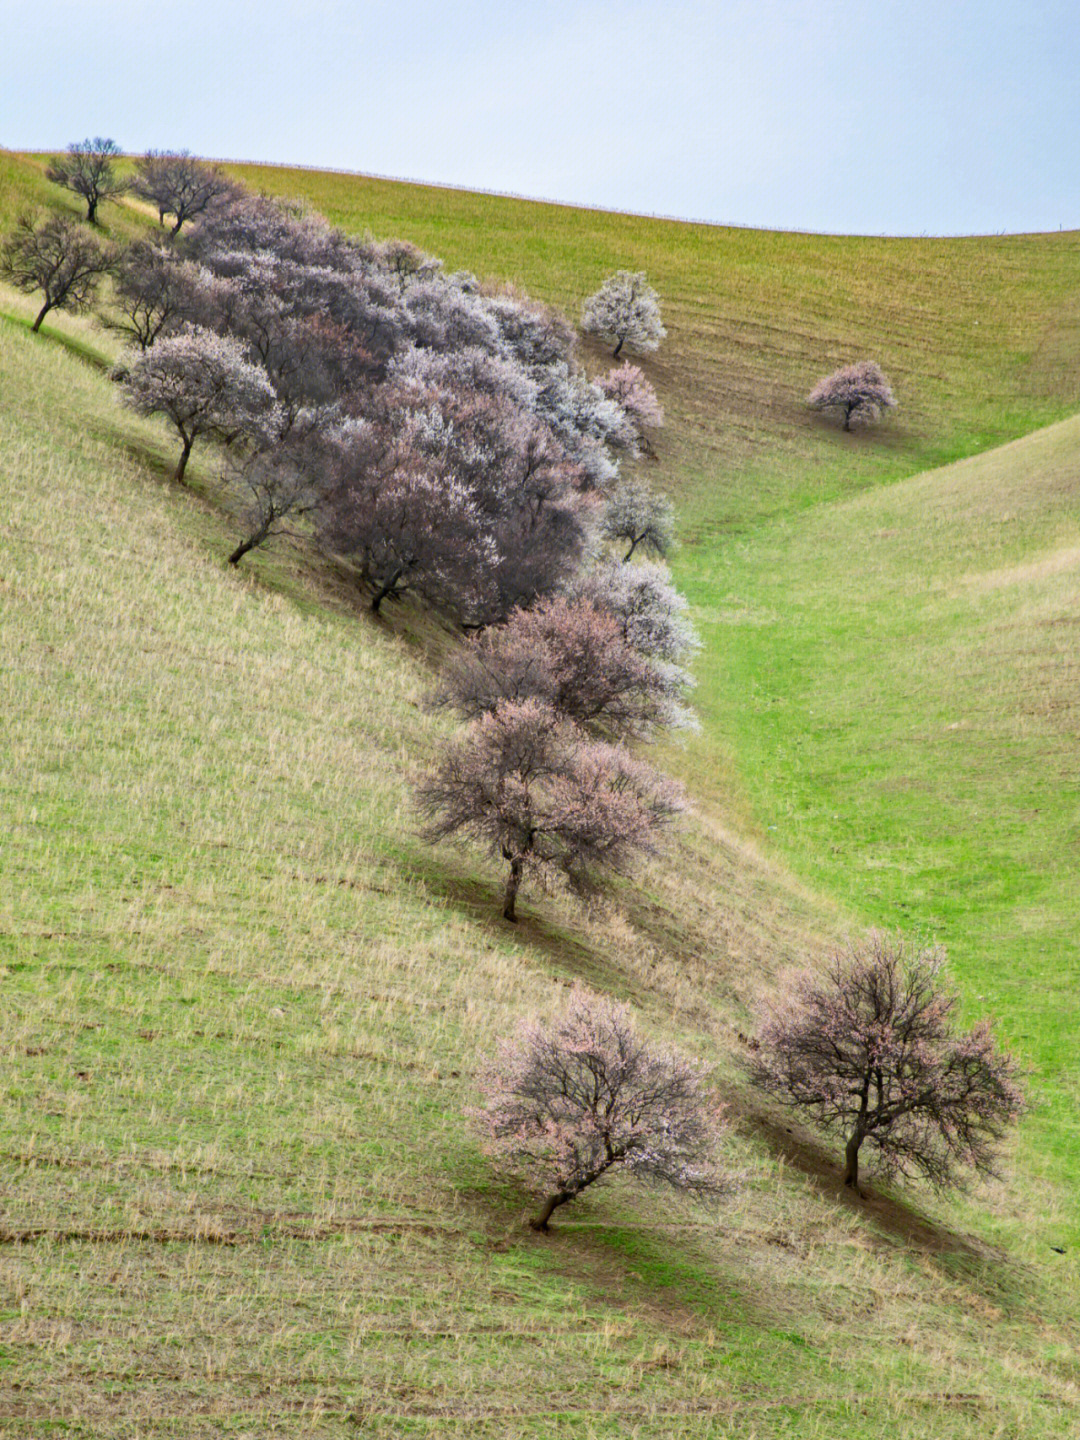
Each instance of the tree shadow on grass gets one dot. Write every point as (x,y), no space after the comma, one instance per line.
(568,955)
(892,1220)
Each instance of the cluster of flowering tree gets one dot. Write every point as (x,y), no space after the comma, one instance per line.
(568,1102)
(869,1048)
(441,439)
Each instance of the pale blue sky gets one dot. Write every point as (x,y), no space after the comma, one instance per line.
(871,116)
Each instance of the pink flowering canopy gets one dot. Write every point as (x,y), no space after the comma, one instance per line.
(567,1100)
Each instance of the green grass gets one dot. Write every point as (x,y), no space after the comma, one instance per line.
(897,677)
(242,1002)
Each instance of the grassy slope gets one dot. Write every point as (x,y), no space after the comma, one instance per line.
(288,994)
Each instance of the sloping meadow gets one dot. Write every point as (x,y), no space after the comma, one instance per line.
(242,1001)
(242,1005)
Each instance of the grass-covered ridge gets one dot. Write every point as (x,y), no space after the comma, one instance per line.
(242,1001)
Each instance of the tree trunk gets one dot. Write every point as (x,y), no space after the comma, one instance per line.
(249,544)
(618,347)
(551,1204)
(847,417)
(91,211)
(513,880)
(851,1155)
(41,315)
(633,547)
(182,463)
(383,591)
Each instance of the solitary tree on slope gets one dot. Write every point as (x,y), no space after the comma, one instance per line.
(569,1100)
(861,391)
(869,1048)
(626,310)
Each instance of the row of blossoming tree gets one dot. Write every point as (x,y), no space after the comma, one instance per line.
(443,438)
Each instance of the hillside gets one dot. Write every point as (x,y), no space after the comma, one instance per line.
(244,1001)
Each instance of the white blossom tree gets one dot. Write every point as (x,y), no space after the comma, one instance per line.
(626,310)
(203,384)
(636,515)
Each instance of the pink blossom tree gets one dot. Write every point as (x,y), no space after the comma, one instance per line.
(861,391)
(550,802)
(570,654)
(568,1101)
(627,386)
(869,1049)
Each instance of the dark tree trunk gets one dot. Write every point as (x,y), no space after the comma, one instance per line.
(249,544)
(551,1204)
(91,211)
(847,417)
(182,462)
(383,591)
(513,880)
(41,315)
(618,347)
(851,1155)
(633,547)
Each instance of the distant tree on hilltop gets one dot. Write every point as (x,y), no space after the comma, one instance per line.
(56,257)
(626,310)
(861,391)
(89,169)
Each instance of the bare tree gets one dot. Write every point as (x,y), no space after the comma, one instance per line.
(179,185)
(572,655)
(155,292)
(626,310)
(569,1100)
(636,515)
(89,169)
(869,1048)
(56,257)
(204,385)
(861,391)
(545,799)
